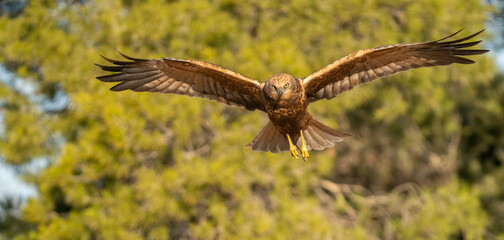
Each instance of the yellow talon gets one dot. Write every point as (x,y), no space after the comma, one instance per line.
(304,150)
(293,148)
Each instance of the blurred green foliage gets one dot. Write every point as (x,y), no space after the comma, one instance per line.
(425,162)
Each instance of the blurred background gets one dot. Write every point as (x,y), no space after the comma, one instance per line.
(81,162)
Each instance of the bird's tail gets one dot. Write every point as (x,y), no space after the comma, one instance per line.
(317,136)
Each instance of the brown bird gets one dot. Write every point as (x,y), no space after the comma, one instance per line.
(283,97)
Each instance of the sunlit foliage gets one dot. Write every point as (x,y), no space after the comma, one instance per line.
(425,161)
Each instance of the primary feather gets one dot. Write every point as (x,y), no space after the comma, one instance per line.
(371,64)
(184,77)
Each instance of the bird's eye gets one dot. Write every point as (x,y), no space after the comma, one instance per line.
(286,85)
(273,86)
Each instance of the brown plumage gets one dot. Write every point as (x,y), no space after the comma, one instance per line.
(283,97)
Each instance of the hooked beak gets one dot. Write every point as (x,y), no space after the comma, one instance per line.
(280,91)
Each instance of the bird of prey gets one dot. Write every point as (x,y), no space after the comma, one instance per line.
(283,97)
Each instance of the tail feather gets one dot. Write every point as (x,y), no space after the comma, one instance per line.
(317,136)
(314,140)
(277,142)
(267,134)
(269,140)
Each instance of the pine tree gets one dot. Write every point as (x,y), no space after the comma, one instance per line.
(152,166)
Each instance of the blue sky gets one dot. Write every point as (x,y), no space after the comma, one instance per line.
(11,185)
(499,58)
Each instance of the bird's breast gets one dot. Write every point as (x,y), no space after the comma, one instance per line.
(288,115)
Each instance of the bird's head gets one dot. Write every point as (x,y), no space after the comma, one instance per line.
(281,86)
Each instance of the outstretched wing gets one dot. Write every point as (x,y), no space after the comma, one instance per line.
(366,65)
(185,77)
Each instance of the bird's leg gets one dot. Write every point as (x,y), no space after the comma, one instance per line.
(293,148)
(304,150)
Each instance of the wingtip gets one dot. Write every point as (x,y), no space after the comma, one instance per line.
(100,78)
(114,89)
(103,78)
(440,41)
(463,60)
(449,36)
(118,62)
(100,66)
(120,53)
(130,58)
(107,59)
(462,29)
(477,33)
(459,40)
(118,87)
